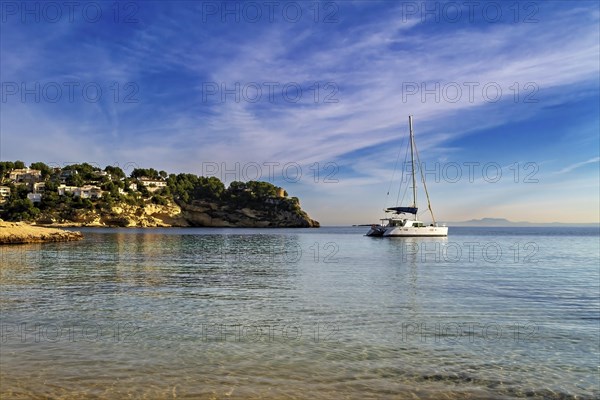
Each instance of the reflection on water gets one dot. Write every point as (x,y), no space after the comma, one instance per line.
(327,313)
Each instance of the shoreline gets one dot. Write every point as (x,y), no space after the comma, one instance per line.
(64,226)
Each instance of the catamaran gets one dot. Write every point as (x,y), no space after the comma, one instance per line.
(397,224)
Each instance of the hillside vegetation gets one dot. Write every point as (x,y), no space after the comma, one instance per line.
(82,194)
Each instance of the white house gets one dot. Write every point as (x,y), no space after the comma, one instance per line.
(153,184)
(90,192)
(26,175)
(4,191)
(39,187)
(85,192)
(34,197)
(64,189)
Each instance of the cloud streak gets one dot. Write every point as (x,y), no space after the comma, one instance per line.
(572,167)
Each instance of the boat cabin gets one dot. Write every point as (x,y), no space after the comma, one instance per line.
(406,223)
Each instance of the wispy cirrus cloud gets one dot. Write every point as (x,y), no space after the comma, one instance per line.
(572,167)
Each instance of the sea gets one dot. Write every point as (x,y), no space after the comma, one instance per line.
(199,313)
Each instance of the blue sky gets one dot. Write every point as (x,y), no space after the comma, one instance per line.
(494,86)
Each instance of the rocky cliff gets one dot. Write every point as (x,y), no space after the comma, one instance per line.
(198,214)
(203,213)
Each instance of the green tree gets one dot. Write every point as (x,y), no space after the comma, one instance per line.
(111,188)
(50,200)
(188,187)
(165,191)
(5,168)
(119,184)
(158,199)
(43,168)
(20,191)
(144,172)
(50,186)
(19,164)
(87,171)
(75,180)
(116,173)
(143,190)
(252,193)
(88,204)
(20,210)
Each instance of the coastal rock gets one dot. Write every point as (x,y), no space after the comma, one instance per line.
(149,216)
(208,214)
(198,213)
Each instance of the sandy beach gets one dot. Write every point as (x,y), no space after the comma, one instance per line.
(20,233)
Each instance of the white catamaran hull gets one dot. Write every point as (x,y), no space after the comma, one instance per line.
(416,231)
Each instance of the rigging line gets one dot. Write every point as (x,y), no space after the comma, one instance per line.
(395,167)
(402,180)
(393,174)
(400,202)
(403,196)
(424,184)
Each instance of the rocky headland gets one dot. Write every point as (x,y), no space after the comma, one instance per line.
(85,195)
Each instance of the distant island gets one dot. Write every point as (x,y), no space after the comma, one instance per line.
(86,195)
(498,222)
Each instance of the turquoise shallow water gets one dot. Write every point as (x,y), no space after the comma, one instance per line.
(487,313)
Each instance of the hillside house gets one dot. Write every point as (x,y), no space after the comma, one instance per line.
(85,192)
(25,175)
(39,187)
(153,184)
(34,197)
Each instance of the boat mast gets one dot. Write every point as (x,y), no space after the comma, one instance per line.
(412,161)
